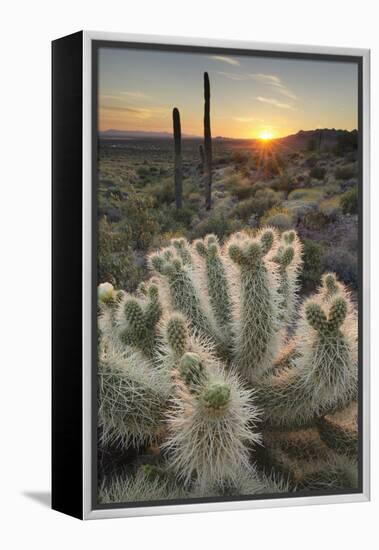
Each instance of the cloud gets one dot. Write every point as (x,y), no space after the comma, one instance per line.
(246,119)
(274,102)
(275,82)
(137,95)
(270,80)
(225,59)
(133,111)
(234,76)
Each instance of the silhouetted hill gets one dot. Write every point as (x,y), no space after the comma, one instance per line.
(324,138)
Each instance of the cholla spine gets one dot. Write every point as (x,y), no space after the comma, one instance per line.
(322,376)
(183,292)
(257,326)
(210,430)
(217,284)
(133,397)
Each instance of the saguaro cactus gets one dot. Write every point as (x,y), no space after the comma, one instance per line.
(207,143)
(178,158)
(202,158)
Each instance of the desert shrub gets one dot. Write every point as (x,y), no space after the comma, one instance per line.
(138,214)
(115,259)
(330,207)
(279,217)
(332,188)
(345,172)
(239,186)
(306,194)
(285,184)
(263,200)
(241,157)
(343,263)
(311,273)
(170,218)
(349,201)
(315,220)
(218,223)
(317,172)
(143,171)
(163,191)
(274,166)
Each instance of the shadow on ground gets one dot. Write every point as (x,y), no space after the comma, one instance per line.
(41,497)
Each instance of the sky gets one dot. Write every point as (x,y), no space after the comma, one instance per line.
(250,96)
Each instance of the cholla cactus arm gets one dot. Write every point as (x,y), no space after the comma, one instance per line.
(246,481)
(177,334)
(323,377)
(137,320)
(192,371)
(267,237)
(133,397)
(210,431)
(257,330)
(216,282)
(184,293)
(153,310)
(141,486)
(183,250)
(286,289)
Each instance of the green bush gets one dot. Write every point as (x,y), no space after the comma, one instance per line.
(330,207)
(115,258)
(311,273)
(162,192)
(343,263)
(239,186)
(217,223)
(306,194)
(279,217)
(346,172)
(263,200)
(241,157)
(349,201)
(317,172)
(315,220)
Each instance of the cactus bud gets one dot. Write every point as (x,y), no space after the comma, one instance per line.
(106,293)
(200,248)
(267,240)
(337,313)
(315,316)
(330,283)
(235,254)
(289,237)
(176,332)
(191,370)
(134,315)
(216,396)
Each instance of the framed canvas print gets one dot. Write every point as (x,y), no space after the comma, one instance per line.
(210,275)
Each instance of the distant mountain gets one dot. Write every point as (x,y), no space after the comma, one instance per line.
(322,138)
(139,134)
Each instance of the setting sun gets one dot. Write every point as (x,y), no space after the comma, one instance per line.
(265,135)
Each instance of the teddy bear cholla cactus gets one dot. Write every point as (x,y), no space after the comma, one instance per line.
(209,357)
